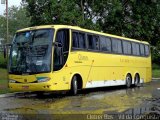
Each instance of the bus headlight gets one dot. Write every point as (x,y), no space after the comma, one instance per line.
(43,79)
(12,81)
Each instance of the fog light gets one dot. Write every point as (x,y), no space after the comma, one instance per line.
(43,79)
(12,81)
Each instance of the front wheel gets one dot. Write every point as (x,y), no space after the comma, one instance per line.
(74,86)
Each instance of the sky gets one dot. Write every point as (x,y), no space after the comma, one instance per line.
(10,3)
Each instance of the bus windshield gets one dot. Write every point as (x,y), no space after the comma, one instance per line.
(31,52)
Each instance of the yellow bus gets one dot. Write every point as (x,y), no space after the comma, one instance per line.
(62,57)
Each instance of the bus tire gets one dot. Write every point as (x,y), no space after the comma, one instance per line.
(74,85)
(136,80)
(128,81)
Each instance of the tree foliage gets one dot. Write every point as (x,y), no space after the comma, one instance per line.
(131,18)
(71,12)
(17,19)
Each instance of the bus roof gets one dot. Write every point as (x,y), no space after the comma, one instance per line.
(80,29)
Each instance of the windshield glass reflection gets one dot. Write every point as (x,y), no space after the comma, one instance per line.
(31,52)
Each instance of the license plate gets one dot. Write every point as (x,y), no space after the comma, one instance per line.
(25,87)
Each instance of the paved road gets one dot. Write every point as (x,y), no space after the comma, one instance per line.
(103,103)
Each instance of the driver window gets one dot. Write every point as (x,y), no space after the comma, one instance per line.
(63,38)
(61,51)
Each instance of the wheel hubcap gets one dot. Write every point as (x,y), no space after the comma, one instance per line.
(75,86)
(136,80)
(128,81)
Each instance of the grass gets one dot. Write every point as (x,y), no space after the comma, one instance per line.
(3,81)
(3,75)
(156,73)
(3,91)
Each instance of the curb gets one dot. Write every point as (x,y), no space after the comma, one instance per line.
(9,94)
(155,78)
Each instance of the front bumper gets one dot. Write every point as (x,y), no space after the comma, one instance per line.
(30,87)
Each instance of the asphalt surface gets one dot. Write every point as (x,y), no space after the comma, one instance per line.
(141,103)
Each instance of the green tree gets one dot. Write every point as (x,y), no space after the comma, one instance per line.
(141,20)
(72,12)
(131,18)
(17,19)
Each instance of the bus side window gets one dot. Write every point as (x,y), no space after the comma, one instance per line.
(142,49)
(105,44)
(75,38)
(146,50)
(108,41)
(126,47)
(78,40)
(82,41)
(116,46)
(135,49)
(90,42)
(62,49)
(93,42)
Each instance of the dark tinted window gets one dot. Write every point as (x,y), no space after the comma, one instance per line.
(146,50)
(126,47)
(61,50)
(78,40)
(75,39)
(93,42)
(82,40)
(63,38)
(105,43)
(142,49)
(135,49)
(116,46)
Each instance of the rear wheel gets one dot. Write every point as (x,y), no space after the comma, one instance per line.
(74,86)
(128,80)
(136,80)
